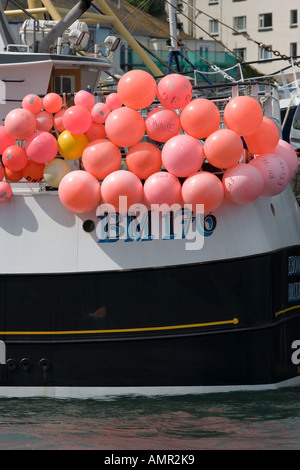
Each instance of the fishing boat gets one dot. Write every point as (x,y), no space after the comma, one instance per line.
(140,300)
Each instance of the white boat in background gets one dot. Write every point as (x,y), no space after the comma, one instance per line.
(295,130)
(89,310)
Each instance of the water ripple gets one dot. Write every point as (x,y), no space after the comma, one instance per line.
(252,420)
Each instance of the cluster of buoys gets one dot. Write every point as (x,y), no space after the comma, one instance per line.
(165,151)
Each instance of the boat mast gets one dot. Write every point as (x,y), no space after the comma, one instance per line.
(174,52)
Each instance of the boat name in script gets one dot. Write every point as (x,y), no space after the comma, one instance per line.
(160,222)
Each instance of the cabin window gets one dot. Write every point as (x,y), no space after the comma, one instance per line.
(65,81)
(63,85)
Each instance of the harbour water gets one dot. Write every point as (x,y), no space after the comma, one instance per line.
(268,420)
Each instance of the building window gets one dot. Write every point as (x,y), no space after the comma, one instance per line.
(213,27)
(294,18)
(240,53)
(265,52)
(212,2)
(237,0)
(293,49)
(239,23)
(265,21)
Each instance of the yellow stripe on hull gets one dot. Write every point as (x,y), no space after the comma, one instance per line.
(121,330)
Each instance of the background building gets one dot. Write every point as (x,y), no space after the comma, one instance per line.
(252,30)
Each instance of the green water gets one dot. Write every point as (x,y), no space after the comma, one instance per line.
(231,421)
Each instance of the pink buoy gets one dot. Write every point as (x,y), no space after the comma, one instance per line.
(143,159)
(162,124)
(99,112)
(274,171)
(203,188)
(77,119)
(20,123)
(84,98)
(5,139)
(264,139)
(79,191)
(113,101)
(13,176)
(286,151)
(58,120)
(14,158)
(2,173)
(162,188)
(96,141)
(125,127)
(32,103)
(101,158)
(174,91)
(41,147)
(122,183)
(243,115)
(242,183)
(223,148)
(44,121)
(182,155)
(200,118)
(5,191)
(136,89)
(52,103)
(96,131)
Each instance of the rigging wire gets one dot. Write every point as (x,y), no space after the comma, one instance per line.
(141,9)
(143,5)
(210,64)
(142,13)
(20,7)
